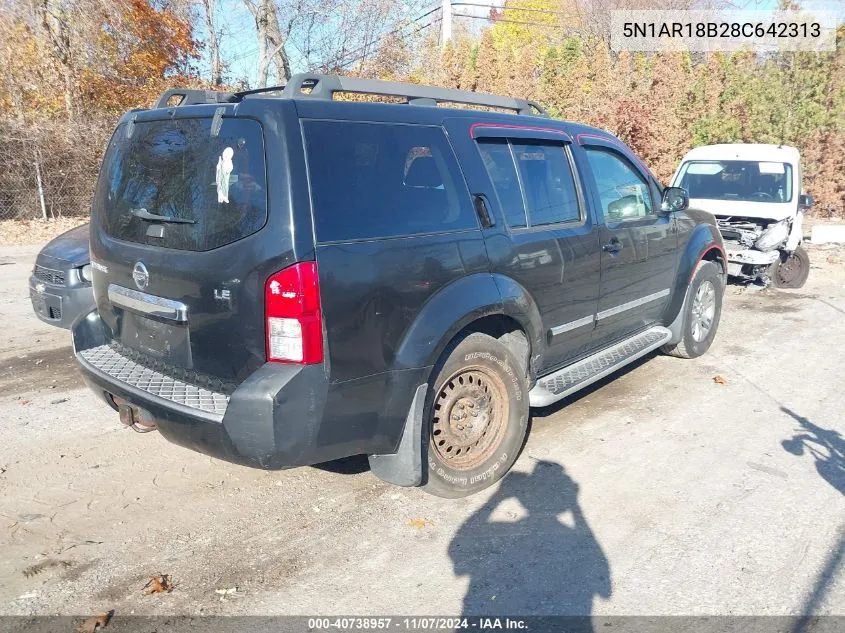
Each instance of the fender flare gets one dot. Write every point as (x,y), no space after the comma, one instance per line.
(705,240)
(457,305)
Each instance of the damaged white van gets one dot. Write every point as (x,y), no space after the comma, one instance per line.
(755,193)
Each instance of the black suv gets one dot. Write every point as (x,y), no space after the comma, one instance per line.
(285,278)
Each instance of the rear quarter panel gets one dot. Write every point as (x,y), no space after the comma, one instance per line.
(374,293)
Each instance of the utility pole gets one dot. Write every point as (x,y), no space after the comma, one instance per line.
(446,23)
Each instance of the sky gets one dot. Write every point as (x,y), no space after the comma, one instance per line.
(239,44)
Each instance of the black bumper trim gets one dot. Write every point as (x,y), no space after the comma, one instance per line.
(70,301)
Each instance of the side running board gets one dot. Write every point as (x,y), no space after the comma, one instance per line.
(585,372)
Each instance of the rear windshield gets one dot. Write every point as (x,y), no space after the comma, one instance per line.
(166,171)
(749,181)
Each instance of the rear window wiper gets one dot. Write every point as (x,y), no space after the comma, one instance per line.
(146,215)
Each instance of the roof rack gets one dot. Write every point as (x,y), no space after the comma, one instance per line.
(192,97)
(317,86)
(325,86)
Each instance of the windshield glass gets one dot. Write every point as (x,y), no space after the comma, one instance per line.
(749,181)
(165,171)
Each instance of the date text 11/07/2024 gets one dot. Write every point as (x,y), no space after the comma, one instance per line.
(417,624)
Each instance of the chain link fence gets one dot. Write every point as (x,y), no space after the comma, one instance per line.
(27,204)
(50,167)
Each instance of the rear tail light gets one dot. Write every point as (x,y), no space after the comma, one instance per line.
(292,315)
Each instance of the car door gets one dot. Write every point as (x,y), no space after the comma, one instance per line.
(639,243)
(544,236)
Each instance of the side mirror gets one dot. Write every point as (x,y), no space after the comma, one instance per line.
(805,201)
(674,199)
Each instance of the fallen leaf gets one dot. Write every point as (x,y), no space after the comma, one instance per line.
(226,592)
(420,523)
(720,380)
(158,584)
(25,402)
(95,623)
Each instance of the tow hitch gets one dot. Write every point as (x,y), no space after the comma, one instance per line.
(134,417)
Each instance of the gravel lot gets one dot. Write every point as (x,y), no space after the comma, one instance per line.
(659,492)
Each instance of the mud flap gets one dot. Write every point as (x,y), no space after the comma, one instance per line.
(676,327)
(404,467)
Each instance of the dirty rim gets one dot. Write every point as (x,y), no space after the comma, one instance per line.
(789,271)
(703,311)
(469,417)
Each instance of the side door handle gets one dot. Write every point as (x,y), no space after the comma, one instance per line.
(479,201)
(613,247)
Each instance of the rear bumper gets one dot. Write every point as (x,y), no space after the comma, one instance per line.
(59,305)
(273,420)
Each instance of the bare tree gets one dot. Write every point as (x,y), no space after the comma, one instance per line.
(54,18)
(271,41)
(209,7)
(347,35)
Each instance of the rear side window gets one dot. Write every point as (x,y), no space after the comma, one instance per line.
(534,182)
(377,180)
(176,170)
(547,180)
(498,160)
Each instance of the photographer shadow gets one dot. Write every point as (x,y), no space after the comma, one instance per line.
(543,561)
(825,445)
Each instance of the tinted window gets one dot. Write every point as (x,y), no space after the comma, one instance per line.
(751,181)
(373,180)
(547,181)
(622,191)
(498,160)
(177,169)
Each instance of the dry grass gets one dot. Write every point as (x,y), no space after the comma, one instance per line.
(24,232)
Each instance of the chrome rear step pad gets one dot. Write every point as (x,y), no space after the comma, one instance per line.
(566,381)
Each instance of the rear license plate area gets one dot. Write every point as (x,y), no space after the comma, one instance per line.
(169,342)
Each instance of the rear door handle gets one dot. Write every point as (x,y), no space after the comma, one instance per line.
(483,210)
(613,247)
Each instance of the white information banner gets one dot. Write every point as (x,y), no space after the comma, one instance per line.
(734,30)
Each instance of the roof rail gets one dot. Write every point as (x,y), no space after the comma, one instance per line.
(192,97)
(317,86)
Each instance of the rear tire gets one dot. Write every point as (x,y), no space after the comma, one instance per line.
(702,311)
(792,272)
(476,417)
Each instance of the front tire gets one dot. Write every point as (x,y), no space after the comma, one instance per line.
(476,417)
(702,311)
(792,271)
